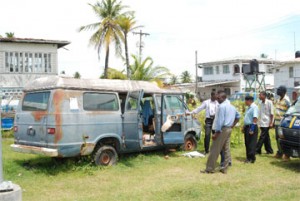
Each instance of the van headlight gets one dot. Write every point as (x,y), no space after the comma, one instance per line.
(280,133)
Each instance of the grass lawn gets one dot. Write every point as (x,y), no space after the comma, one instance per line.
(149,176)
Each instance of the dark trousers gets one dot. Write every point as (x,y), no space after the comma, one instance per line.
(264,139)
(250,143)
(279,150)
(208,131)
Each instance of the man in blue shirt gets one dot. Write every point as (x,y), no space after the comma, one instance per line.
(250,129)
(227,117)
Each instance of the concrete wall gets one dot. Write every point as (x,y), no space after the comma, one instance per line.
(11,83)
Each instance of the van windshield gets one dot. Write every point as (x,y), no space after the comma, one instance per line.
(294,108)
(36,101)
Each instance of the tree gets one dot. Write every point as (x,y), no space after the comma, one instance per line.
(107,29)
(10,35)
(186,77)
(114,74)
(127,24)
(144,70)
(77,75)
(263,55)
(174,79)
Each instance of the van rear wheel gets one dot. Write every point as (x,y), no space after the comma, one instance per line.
(190,143)
(106,156)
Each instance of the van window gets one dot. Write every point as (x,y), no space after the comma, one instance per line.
(36,101)
(174,102)
(100,102)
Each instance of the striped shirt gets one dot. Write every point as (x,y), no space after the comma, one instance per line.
(281,107)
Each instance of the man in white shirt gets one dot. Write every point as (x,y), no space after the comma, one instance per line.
(265,122)
(210,107)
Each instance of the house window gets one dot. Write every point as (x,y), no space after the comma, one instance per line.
(21,62)
(236,68)
(217,70)
(30,62)
(291,72)
(27,62)
(226,69)
(208,71)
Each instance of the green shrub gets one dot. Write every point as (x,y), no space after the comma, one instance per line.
(237,137)
(7,134)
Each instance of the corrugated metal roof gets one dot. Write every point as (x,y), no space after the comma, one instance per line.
(93,84)
(237,59)
(59,43)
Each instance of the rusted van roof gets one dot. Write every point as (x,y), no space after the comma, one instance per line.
(59,82)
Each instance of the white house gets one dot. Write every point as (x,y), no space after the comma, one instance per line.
(23,59)
(287,73)
(227,75)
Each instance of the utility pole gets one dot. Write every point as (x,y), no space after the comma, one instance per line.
(196,65)
(294,42)
(140,43)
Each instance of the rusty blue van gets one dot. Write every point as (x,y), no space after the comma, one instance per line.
(67,117)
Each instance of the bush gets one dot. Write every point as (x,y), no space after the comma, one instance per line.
(236,135)
(7,134)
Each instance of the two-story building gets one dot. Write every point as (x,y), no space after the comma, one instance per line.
(287,73)
(227,75)
(23,59)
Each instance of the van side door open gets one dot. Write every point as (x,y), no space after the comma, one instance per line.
(172,119)
(132,121)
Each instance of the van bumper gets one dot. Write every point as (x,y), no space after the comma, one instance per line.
(34,150)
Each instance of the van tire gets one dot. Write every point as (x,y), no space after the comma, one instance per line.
(190,143)
(106,156)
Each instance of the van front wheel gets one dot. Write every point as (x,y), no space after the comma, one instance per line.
(106,156)
(190,143)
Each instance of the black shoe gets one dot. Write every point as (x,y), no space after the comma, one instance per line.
(247,161)
(269,152)
(223,170)
(258,152)
(205,172)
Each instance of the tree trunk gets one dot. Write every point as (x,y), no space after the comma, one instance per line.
(106,63)
(127,57)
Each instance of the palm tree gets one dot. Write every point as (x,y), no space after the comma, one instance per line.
(10,34)
(114,74)
(144,70)
(77,75)
(107,30)
(127,24)
(186,77)
(174,79)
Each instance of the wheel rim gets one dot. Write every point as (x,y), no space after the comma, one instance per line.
(189,145)
(105,158)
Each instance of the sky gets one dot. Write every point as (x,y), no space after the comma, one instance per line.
(216,29)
